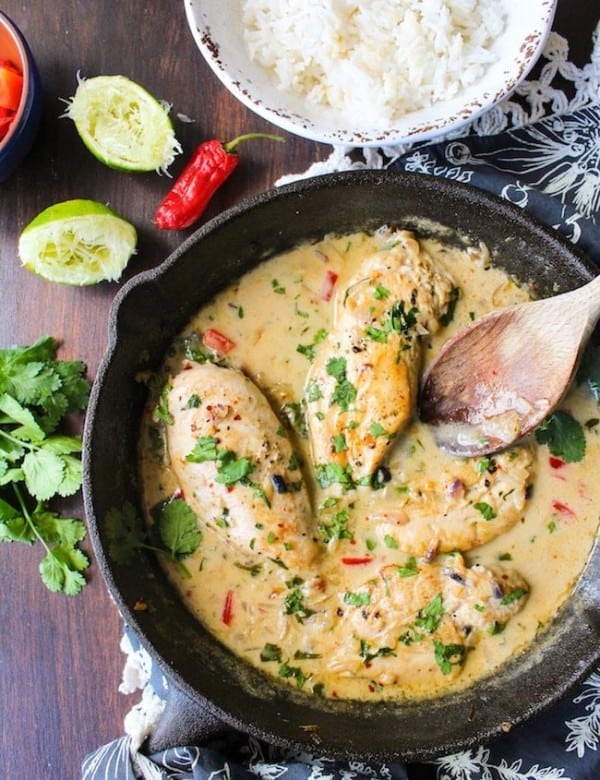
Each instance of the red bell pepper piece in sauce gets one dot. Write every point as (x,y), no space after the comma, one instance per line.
(216,341)
(211,164)
(227,611)
(357,560)
(328,285)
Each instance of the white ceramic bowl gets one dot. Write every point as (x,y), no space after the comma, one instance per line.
(217,29)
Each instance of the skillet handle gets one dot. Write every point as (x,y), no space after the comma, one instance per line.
(184,722)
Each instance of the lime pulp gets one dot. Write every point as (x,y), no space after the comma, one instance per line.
(77,242)
(122,124)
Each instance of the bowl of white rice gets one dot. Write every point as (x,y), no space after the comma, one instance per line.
(375,73)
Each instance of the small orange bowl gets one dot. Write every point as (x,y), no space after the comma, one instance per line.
(24,125)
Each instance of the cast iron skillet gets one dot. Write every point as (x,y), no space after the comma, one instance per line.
(148,312)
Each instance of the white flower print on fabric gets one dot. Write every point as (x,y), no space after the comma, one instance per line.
(477,765)
(584,731)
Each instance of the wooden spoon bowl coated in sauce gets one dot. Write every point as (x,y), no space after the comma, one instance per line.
(498,378)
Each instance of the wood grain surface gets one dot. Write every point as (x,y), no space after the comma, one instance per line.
(60,662)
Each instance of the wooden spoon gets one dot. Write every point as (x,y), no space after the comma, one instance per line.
(498,378)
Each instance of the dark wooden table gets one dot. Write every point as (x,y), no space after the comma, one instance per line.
(60,663)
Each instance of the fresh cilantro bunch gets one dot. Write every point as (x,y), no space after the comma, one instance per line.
(38,462)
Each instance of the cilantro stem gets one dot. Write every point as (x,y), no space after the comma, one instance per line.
(28,518)
(180,566)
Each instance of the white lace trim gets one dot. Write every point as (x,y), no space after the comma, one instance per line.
(533,100)
(141,719)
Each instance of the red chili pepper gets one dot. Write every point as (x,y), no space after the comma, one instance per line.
(210,165)
(227,613)
(556,463)
(217,341)
(356,561)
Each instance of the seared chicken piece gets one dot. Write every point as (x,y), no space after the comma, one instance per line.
(459,508)
(421,619)
(236,466)
(361,388)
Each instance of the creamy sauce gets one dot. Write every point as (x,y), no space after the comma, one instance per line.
(275,316)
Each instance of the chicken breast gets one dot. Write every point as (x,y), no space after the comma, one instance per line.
(458,508)
(420,620)
(362,386)
(235,465)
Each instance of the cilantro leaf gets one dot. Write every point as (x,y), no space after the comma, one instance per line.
(178,527)
(125,532)
(175,532)
(13,525)
(564,436)
(61,569)
(43,471)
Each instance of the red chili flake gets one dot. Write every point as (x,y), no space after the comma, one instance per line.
(328,285)
(563,509)
(218,342)
(556,463)
(227,612)
(357,560)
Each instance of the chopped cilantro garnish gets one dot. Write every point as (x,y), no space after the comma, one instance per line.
(161,412)
(193,401)
(328,474)
(285,670)
(486,510)
(429,617)
(513,595)
(339,443)
(294,601)
(447,656)
(357,598)
(367,655)
(205,449)
(410,568)
(270,652)
(564,436)
(376,429)
(337,528)
(344,393)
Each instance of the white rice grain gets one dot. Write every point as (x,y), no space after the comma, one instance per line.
(375,60)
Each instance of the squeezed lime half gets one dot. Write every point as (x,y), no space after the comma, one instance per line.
(77,242)
(122,124)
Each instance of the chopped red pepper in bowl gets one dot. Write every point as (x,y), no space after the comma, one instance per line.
(21,97)
(11,88)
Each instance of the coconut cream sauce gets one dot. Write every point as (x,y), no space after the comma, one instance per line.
(274,315)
